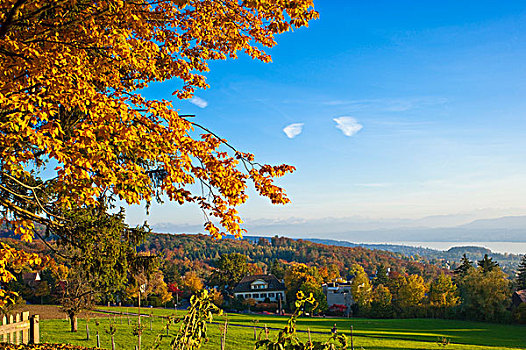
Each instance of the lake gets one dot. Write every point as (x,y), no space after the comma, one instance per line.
(497,247)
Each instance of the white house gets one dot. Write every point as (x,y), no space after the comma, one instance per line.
(260,288)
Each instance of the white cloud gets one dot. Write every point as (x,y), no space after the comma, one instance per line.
(348,125)
(293,130)
(199,102)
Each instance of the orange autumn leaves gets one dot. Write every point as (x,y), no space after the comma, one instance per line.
(71,71)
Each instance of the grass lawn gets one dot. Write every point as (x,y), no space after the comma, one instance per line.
(369,333)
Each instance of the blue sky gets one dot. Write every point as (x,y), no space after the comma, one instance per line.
(432,96)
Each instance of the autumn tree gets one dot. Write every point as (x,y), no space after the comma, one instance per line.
(381,302)
(412,292)
(149,285)
(330,272)
(192,283)
(74,126)
(485,296)
(307,279)
(361,287)
(442,294)
(521,274)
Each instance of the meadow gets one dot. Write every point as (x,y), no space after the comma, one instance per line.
(367,333)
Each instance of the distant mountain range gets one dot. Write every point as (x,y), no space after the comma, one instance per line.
(448,228)
(504,229)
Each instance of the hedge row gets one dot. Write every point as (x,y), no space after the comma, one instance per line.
(42,347)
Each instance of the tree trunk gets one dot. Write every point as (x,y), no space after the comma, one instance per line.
(73,322)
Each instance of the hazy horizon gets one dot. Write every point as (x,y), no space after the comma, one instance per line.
(407,115)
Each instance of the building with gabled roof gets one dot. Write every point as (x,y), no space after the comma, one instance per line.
(260,288)
(518,298)
(31,278)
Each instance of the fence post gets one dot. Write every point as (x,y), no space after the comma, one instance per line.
(4,336)
(352,340)
(10,334)
(25,331)
(17,333)
(34,329)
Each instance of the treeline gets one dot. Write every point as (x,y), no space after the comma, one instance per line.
(480,291)
(198,252)
(384,284)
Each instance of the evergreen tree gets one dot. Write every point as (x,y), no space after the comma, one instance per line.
(465,265)
(381,302)
(487,264)
(231,268)
(277,269)
(521,274)
(381,276)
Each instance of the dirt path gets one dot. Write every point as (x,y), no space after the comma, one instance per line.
(48,312)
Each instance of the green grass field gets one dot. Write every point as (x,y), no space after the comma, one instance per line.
(368,333)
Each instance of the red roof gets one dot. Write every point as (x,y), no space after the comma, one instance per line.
(522,295)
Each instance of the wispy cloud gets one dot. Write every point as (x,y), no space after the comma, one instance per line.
(199,102)
(388,104)
(293,130)
(348,125)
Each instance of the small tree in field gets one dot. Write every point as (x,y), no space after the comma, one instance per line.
(75,292)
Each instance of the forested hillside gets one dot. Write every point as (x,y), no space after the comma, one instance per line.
(191,250)
(444,258)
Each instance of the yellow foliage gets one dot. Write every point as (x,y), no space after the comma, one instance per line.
(69,92)
(192,283)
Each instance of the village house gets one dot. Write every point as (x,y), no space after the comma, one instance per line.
(32,279)
(338,294)
(518,298)
(261,288)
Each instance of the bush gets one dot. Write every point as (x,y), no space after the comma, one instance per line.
(337,310)
(519,314)
(272,307)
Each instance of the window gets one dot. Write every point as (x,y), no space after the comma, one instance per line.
(255,296)
(264,295)
(271,295)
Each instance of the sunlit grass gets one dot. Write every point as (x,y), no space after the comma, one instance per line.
(368,333)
